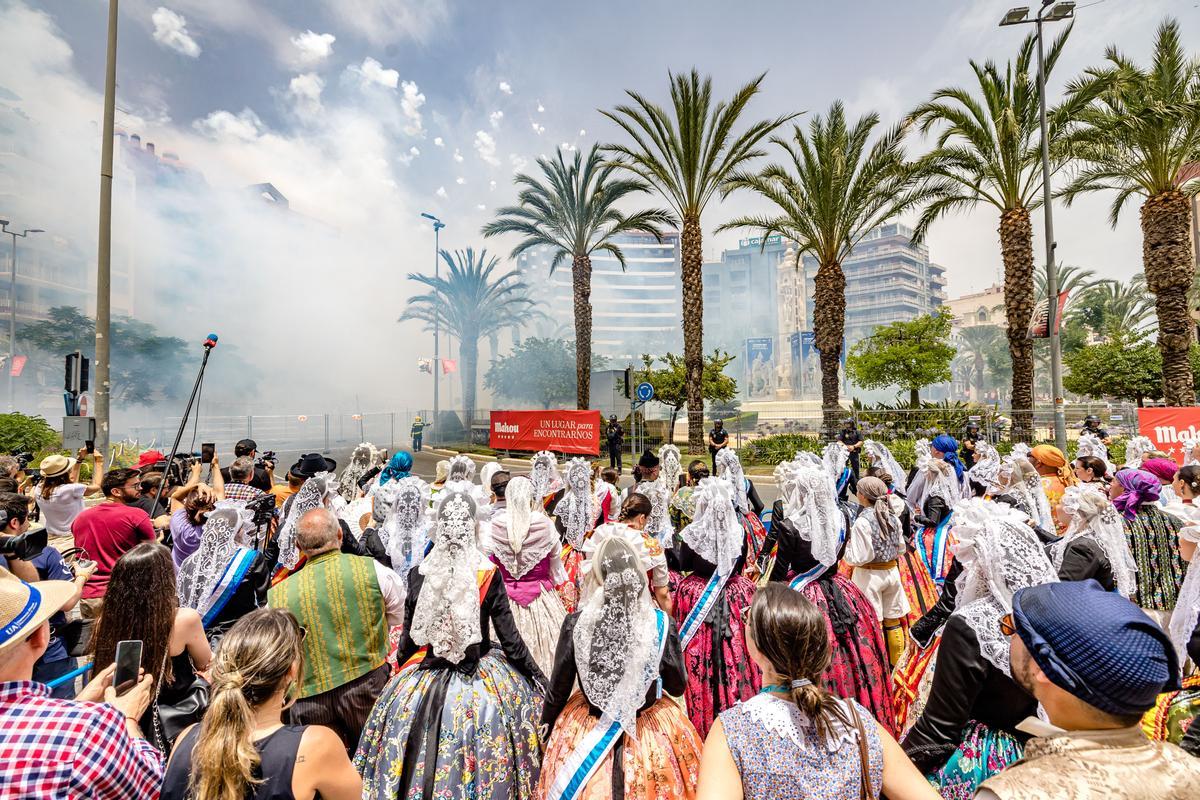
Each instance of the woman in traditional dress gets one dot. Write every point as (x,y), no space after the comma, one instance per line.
(317,492)
(683,504)
(404,533)
(748,504)
(1093,544)
(933,490)
(876,542)
(543,472)
(575,517)
(229,574)
(795,740)
(1091,471)
(709,606)
(462,721)
(528,553)
(1055,472)
(635,512)
(967,731)
(1154,539)
(1165,469)
(810,526)
(671,471)
(608,496)
(398,468)
(619,736)
(362,459)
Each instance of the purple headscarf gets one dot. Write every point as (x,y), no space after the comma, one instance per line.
(1140,487)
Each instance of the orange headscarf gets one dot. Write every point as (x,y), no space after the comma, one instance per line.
(1050,456)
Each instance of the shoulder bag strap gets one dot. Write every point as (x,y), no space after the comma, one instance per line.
(864,760)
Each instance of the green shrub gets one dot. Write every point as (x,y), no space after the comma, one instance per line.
(20,433)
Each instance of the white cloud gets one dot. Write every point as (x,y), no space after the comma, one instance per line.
(517,162)
(170,30)
(439,141)
(492,185)
(460,180)
(485,146)
(441,192)
(305,90)
(582,132)
(538,129)
(410,106)
(505,87)
(494,118)
(541,108)
(313,47)
(371,71)
(481,207)
(244,126)
(384,22)
(458,157)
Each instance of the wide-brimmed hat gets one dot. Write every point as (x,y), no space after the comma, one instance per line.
(24,606)
(312,463)
(54,465)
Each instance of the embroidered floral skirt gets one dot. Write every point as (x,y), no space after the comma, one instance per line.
(661,763)
(461,735)
(1174,713)
(983,753)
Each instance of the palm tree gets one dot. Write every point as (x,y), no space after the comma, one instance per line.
(688,158)
(1137,133)
(989,152)
(1075,281)
(571,210)
(1112,306)
(469,302)
(975,343)
(833,189)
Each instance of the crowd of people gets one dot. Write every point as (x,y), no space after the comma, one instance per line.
(1017,626)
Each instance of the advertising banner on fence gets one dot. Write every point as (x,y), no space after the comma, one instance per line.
(560,431)
(1167,428)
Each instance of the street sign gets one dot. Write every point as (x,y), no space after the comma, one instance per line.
(645,392)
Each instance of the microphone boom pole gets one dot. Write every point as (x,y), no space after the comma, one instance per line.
(209,344)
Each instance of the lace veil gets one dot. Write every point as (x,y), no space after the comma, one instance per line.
(835,457)
(1093,514)
(729,467)
(223,534)
(1135,451)
(361,461)
(577,508)
(462,468)
(316,492)
(544,474)
(810,503)
(672,467)
(715,533)
(522,545)
(406,527)
(881,456)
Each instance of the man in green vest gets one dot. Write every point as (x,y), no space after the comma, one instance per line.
(345,604)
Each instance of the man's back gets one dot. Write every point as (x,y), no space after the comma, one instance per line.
(107,532)
(53,748)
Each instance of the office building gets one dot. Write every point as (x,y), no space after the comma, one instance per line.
(978,308)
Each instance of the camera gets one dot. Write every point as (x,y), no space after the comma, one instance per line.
(268,457)
(25,546)
(264,510)
(23,459)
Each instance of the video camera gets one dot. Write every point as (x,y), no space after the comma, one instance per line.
(23,460)
(25,546)
(264,510)
(268,457)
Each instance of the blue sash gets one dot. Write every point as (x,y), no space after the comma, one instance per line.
(843,480)
(936,561)
(231,579)
(805,578)
(695,618)
(587,756)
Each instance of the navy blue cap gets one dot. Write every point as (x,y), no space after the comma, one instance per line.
(1096,645)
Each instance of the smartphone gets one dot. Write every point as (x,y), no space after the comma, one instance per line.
(89,446)
(128,661)
(207,451)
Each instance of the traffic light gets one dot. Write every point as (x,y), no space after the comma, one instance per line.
(629,383)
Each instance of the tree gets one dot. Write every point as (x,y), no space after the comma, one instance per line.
(572,211)
(1111,306)
(989,152)
(909,355)
(835,187)
(688,159)
(1126,367)
(671,385)
(469,304)
(976,343)
(1138,133)
(145,365)
(538,371)
(20,433)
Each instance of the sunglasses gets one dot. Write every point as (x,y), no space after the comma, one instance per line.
(1006,625)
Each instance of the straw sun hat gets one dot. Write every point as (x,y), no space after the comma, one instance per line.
(25,606)
(55,464)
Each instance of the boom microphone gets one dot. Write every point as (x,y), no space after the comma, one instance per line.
(210,342)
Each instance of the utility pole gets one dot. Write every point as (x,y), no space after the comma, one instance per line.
(12,308)
(437,333)
(104,255)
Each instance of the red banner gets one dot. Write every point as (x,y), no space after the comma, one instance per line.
(1168,427)
(560,431)
(18,366)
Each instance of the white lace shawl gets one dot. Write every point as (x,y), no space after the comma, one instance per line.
(446,616)
(1094,516)
(835,458)
(781,717)
(407,522)
(934,478)
(486,473)
(1187,603)
(999,554)
(577,508)
(315,493)
(462,468)
(729,467)
(543,471)
(615,636)
(220,540)
(1019,478)
(810,504)
(986,471)
(522,534)
(1135,451)
(361,461)
(1090,446)
(659,524)
(881,456)
(715,533)
(619,530)
(672,467)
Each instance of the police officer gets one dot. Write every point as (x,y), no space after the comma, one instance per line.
(967,450)
(615,436)
(853,440)
(1091,424)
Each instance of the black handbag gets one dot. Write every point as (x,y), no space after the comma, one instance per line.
(177,707)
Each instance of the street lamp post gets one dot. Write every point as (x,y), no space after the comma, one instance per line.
(12,307)
(104,241)
(1048,12)
(437,358)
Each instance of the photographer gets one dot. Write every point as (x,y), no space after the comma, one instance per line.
(60,495)
(264,468)
(110,530)
(42,563)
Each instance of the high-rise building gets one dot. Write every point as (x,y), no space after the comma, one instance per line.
(741,295)
(635,310)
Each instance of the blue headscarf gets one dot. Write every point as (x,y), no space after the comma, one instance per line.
(949,446)
(397,467)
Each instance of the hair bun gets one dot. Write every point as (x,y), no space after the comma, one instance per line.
(232,679)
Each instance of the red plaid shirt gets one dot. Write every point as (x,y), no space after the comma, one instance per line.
(53,748)
(242,492)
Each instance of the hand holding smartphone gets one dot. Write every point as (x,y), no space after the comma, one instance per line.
(207,451)
(128,663)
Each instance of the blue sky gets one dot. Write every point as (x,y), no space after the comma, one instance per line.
(366,112)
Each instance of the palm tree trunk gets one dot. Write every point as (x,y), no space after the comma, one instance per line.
(914,398)
(691,265)
(468,356)
(1016,249)
(581,283)
(1167,262)
(829,325)
(978,378)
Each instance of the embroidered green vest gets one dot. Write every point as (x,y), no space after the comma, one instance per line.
(336,597)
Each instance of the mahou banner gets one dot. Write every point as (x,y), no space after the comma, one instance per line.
(1169,427)
(560,431)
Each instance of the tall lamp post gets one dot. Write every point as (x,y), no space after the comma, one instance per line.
(437,353)
(104,240)
(12,306)
(1048,12)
